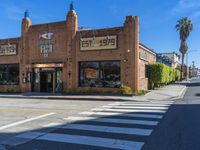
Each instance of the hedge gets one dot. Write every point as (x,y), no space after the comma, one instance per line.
(160,74)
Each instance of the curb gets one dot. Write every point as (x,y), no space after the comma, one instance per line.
(90,98)
(69,98)
(181,94)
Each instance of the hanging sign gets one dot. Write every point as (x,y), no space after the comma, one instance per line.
(10,49)
(98,43)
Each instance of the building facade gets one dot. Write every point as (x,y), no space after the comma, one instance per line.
(170,59)
(61,57)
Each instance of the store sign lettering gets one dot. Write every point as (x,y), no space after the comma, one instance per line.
(46,42)
(10,49)
(98,43)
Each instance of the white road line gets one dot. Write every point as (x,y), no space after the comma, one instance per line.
(25,121)
(93,141)
(155,105)
(129,110)
(123,115)
(119,130)
(136,107)
(110,120)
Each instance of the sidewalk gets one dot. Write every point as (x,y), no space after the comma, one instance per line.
(166,93)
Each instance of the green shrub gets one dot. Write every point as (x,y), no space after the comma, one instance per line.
(126,90)
(160,74)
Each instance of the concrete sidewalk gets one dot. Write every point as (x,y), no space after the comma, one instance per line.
(165,93)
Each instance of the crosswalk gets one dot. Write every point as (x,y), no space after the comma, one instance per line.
(119,125)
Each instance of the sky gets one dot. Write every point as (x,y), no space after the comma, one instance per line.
(157,19)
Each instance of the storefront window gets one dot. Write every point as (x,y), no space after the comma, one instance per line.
(59,80)
(100,74)
(110,74)
(9,74)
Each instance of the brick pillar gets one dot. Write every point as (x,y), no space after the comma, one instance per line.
(130,63)
(26,23)
(69,69)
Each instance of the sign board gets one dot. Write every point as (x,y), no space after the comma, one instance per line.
(98,43)
(10,49)
(144,55)
(51,65)
(46,43)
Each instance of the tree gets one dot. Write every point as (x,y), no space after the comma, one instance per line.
(184,26)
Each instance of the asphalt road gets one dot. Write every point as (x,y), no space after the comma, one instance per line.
(180,128)
(78,125)
(97,125)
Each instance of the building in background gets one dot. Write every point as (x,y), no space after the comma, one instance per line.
(170,59)
(61,57)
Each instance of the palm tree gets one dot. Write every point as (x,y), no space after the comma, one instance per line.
(184,26)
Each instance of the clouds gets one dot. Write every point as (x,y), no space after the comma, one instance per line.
(186,5)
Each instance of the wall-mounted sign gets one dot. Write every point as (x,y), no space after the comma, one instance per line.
(10,49)
(46,42)
(98,43)
(50,65)
(144,55)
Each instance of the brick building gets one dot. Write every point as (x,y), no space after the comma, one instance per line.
(61,57)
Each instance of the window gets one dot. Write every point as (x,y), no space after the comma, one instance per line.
(146,71)
(100,74)
(9,74)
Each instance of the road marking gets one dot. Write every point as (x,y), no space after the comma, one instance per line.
(129,110)
(110,120)
(155,105)
(92,141)
(25,121)
(123,115)
(119,130)
(136,107)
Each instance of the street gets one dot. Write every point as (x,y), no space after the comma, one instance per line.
(180,129)
(40,124)
(33,124)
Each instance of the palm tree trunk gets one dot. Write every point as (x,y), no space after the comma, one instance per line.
(182,66)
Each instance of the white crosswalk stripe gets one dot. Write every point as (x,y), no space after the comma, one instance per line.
(132,122)
(136,107)
(87,140)
(139,104)
(110,120)
(122,115)
(95,141)
(129,110)
(121,130)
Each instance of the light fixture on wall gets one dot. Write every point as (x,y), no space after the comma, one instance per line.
(128,50)
(125,60)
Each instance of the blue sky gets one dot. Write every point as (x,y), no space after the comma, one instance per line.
(157,18)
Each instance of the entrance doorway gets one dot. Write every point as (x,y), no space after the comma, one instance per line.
(46,81)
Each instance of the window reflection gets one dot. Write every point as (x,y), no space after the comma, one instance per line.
(9,74)
(100,74)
